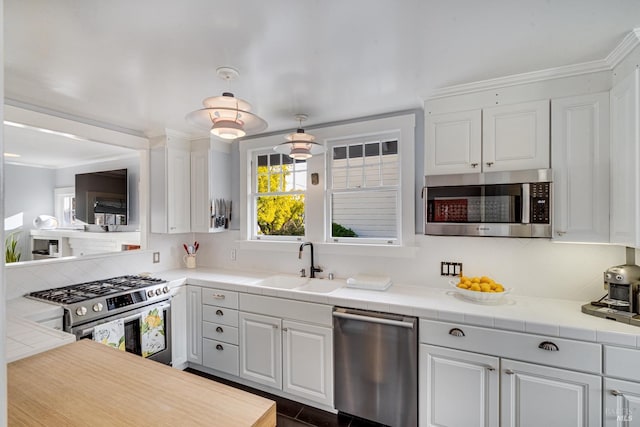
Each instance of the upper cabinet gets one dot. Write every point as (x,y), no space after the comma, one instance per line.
(210,181)
(580,163)
(501,138)
(625,157)
(170,172)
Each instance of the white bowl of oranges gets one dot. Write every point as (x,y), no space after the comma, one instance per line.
(479,289)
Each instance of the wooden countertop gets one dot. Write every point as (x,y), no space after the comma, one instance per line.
(87,383)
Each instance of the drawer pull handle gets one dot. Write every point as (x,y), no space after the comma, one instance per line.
(219,313)
(489,164)
(617,393)
(219,329)
(489,368)
(548,346)
(218,296)
(456,332)
(509,372)
(219,347)
(474,165)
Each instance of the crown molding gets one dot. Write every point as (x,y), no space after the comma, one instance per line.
(618,54)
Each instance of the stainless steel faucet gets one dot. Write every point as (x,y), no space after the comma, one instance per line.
(313,270)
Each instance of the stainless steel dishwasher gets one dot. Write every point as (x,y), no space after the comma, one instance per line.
(376,366)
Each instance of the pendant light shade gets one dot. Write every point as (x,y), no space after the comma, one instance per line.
(226,116)
(300,145)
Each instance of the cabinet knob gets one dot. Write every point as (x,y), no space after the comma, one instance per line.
(456,332)
(219,313)
(617,393)
(489,368)
(275,326)
(219,330)
(474,165)
(548,346)
(219,347)
(489,164)
(509,372)
(285,329)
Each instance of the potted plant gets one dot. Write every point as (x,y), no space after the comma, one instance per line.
(12,253)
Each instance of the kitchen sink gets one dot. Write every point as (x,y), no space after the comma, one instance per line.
(302,284)
(321,286)
(283,281)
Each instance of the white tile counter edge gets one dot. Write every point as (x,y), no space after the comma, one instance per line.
(26,338)
(543,316)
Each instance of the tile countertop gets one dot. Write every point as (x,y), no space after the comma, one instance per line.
(543,316)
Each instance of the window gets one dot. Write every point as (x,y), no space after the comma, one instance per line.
(279,186)
(364,190)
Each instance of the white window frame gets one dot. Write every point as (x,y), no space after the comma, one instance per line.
(316,205)
(378,137)
(254,196)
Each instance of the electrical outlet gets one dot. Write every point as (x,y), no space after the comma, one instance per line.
(448,268)
(233,254)
(156,257)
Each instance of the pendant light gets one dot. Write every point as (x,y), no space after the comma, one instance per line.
(300,145)
(226,116)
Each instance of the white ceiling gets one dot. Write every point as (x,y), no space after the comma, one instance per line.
(142,65)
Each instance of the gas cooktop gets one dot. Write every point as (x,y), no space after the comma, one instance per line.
(90,290)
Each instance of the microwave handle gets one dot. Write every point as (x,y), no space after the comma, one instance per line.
(526,203)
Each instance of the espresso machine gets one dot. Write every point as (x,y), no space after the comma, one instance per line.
(621,303)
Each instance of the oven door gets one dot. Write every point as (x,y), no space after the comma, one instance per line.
(133,331)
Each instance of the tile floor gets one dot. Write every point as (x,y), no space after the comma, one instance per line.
(294,414)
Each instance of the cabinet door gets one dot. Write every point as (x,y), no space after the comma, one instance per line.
(624,155)
(179,325)
(535,395)
(200,198)
(261,349)
(178,190)
(453,142)
(621,403)
(194,324)
(580,146)
(515,137)
(307,353)
(457,388)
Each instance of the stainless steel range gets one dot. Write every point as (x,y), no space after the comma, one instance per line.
(88,306)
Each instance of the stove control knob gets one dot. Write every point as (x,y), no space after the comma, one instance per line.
(150,293)
(165,290)
(158,291)
(97,306)
(81,311)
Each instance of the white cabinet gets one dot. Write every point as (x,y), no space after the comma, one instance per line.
(580,163)
(543,381)
(287,345)
(515,137)
(220,336)
(621,403)
(170,202)
(501,138)
(459,388)
(179,325)
(210,180)
(454,142)
(625,157)
(534,395)
(261,349)
(194,324)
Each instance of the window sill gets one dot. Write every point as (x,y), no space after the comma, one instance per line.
(349,249)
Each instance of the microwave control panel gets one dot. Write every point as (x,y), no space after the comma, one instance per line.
(540,202)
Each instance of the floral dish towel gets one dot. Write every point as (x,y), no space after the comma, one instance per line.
(111,334)
(152,331)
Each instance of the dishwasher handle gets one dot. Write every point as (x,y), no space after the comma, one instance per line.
(372,319)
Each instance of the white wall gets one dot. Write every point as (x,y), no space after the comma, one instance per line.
(28,190)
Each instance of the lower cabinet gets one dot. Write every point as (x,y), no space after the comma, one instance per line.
(291,356)
(194,324)
(621,403)
(468,377)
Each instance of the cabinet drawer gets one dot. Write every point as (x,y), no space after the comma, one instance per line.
(622,363)
(218,332)
(287,309)
(576,355)
(220,298)
(221,356)
(223,316)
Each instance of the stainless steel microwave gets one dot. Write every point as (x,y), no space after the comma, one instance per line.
(502,204)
